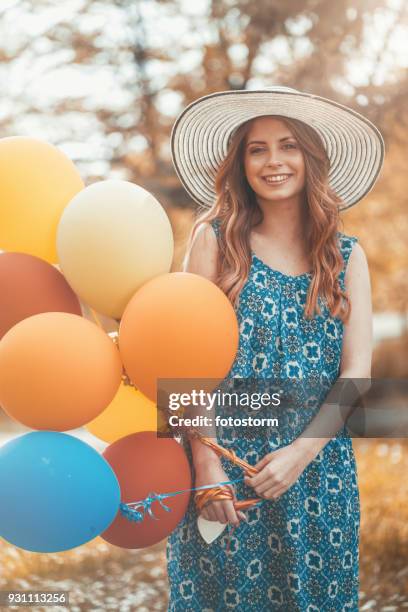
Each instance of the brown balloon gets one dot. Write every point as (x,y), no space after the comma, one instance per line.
(28,286)
(143,464)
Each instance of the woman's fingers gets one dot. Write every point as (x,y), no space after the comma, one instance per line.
(204,513)
(262,478)
(211,512)
(231,513)
(223,512)
(274,492)
(215,512)
(267,486)
(220,512)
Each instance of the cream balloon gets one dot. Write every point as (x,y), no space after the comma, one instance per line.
(112,238)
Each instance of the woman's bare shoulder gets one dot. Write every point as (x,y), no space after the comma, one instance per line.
(203,254)
(206,234)
(357,265)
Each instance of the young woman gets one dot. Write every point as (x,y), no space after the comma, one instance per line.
(273,168)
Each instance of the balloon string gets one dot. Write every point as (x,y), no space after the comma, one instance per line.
(136,511)
(114,336)
(95,318)
(218,493)
(115,339)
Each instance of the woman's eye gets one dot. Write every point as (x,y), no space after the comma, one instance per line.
(285,146)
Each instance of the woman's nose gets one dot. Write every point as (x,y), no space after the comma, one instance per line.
(272,161)
(273,157)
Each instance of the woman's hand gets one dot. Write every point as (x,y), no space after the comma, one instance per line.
(278,471)
(211,472)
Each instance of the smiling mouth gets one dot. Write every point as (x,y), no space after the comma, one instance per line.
(279,179)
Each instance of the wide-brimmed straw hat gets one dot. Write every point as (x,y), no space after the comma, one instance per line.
(201,134)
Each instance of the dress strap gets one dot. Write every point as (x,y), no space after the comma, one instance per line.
(346,244)
(216,225)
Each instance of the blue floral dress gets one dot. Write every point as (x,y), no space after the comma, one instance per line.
(301,551)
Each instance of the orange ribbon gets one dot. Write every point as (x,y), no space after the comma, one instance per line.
(218,493)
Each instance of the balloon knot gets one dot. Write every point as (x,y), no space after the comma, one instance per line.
(131,513)
(136,511)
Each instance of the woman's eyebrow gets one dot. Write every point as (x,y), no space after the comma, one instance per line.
(264,142)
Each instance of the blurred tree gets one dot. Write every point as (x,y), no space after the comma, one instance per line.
(381,223)
(105,80)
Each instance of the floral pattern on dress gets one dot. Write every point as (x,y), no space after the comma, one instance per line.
(299,553)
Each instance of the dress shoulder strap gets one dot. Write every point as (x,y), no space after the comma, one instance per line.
(215,224)
(346,244)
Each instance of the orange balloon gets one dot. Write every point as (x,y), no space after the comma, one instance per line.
(37,181)
(143,464)
(58,371)
(178,325)
(129,412)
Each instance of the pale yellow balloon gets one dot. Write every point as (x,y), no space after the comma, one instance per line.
(113,237)
(37,181)
(129,412)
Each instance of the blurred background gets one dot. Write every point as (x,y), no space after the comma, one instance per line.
(104,80)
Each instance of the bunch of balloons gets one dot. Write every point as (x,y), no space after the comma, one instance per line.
(110,246)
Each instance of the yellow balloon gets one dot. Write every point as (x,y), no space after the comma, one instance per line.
(113,237)
(37,181)
(129,412)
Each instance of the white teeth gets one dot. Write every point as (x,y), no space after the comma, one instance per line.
(276,179)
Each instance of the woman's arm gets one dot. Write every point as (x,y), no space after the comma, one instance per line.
(355,359)
(279,470)
(202,259)
(203,254)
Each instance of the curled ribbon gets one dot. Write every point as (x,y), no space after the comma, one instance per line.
(133,513)
(136,511)
(218,493)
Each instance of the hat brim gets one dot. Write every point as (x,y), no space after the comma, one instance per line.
(201,133)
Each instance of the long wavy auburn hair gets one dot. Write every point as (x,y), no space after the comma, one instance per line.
(237,211)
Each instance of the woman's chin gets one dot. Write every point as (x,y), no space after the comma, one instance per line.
(276,195)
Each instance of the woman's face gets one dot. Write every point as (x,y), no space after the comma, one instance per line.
(273,161)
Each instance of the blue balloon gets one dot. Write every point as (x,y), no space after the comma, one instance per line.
(57,492)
